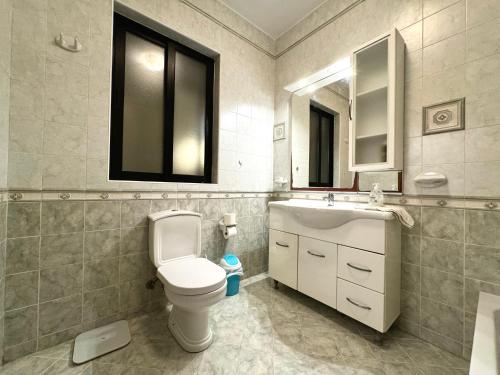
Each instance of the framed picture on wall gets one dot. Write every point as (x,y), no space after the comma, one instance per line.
(444,117)
(279,131)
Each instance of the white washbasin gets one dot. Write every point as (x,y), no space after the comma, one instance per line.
(317,214)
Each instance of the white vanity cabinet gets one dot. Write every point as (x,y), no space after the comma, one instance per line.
(328,264)
(377,105)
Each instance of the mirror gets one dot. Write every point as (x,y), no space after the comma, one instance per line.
(320,137)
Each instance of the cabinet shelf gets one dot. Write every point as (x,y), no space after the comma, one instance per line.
(363,137)
(375,90)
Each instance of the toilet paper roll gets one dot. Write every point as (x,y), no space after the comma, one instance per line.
(229,219)
(230,232)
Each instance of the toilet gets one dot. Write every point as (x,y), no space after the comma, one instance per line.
(191,283)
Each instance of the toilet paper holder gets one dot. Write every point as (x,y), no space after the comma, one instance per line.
(228,225)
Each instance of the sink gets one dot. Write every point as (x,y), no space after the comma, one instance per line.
(317,214)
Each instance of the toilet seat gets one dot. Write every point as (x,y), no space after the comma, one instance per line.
(192,276)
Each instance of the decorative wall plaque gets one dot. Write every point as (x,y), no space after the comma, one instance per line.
(444,117)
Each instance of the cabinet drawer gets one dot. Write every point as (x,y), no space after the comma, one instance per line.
(283,257)
(362,267)
(360,303)
(317,270)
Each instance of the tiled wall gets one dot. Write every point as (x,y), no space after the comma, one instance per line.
(3,244)
(60,100)
(451,52)
(448,257)
(74,265)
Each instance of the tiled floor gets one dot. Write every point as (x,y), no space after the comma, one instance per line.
(260,331)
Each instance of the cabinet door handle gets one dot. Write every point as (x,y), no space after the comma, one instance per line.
(359,268)
(315,255)
(358,304)
(282,244)
(350,109)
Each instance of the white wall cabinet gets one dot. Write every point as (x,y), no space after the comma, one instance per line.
(377,105)
(363,283)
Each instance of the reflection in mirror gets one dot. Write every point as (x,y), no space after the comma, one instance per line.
(320,136)
(388,180)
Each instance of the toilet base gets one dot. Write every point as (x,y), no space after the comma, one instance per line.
(190,328)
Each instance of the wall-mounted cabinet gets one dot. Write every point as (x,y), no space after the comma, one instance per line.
(377,105)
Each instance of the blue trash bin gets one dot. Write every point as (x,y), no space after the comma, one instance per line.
(234,271)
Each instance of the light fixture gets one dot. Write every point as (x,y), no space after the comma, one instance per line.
(334,72)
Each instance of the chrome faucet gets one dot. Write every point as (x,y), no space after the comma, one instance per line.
(330,198)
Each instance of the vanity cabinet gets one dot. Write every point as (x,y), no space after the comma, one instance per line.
(377,105)
(328,265)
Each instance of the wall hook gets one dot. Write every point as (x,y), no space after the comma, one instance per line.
(61,42)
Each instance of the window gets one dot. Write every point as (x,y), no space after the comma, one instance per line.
(320,148)
(162,108)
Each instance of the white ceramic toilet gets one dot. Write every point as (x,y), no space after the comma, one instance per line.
(192,284)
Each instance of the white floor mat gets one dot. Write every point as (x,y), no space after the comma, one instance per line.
(99,341)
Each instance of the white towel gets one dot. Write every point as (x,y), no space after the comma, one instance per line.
(403,216)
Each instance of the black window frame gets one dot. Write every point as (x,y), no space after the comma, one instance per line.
(121,26)
(323,114)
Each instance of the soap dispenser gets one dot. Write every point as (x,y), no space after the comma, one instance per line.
(376,198)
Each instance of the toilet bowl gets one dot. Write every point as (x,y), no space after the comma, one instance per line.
(192,284)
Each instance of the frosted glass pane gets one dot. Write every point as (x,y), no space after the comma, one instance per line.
(143,106)
(189,116)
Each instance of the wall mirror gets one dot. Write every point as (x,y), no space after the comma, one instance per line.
(320,137)
(348,118)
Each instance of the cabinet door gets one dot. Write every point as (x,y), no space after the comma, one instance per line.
(377,105)
(283,257)
(317,276)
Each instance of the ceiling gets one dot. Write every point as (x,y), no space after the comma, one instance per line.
(274,17)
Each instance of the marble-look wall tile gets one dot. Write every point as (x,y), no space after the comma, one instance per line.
(133,295)
(100,303)
(445,54)
(443,255)
(62,217)
(102,244)
(443,223)
(23,219)
(442,319)
(410,278)
(20,325)
(481,228)
(102,215)
(479,11)
(483,40)
(482,179)
(22,254)
(410,249)
(134,240)
(100,273)
(482,263)
(472,289)
(58,250)
(21,289)
(442,287)
(480,144)
(134,213)
(60,282)
(133,267)
(60,314)
(445,23)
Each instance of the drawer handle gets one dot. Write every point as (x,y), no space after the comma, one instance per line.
(282,244)
(359,268)
(315,255)
(358,304)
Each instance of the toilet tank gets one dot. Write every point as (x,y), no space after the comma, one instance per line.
(173,235)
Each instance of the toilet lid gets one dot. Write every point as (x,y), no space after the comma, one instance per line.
(192,276)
